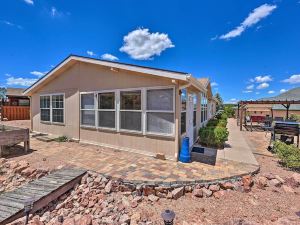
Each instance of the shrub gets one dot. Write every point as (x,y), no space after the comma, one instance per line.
(288,154)
(213,136)
(295,117)
(62,139)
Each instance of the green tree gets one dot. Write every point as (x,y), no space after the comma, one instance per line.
(220,101)
(2,93)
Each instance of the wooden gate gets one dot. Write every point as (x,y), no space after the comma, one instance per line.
(15,112)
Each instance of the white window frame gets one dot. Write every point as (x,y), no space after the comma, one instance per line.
(131,110)
(51,109)
(45,121)
(105,110)
(118,110)
(95,105)
(159,111)
(183,111)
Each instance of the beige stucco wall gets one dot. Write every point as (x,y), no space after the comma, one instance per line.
(83,77)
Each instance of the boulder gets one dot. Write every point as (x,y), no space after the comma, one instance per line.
(153,198)
(178,192)
(28,171)
(296,178)
(214,187)
(219,194)
(85,220)
(227,185)
(275,182)
(247,183)
(198,193)
(206,192)
(269,176)
(108,187)
(148,190)
(262,182)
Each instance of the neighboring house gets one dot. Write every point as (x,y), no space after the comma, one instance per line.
(15,106)
(123,106)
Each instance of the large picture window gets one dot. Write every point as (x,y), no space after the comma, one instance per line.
(131,110)
(52,108)
(160,111)
(106,110)
(87,109)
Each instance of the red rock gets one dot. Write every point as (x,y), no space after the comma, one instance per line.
(178,192)
(198,193)
(296,178)
(28,171)
(247,183)
(269,176)
(206,192)
(153,198)
(148,191)
(134,204)
(21,166)
(262,182)
(108,187)
(214,187)
(84,202)
(85,220)
(227,185)
(275,182)
(36,221)
(219,194)
(69,221)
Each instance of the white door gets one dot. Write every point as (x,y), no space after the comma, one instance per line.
(189,122)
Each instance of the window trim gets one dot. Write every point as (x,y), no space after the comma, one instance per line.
(51,109)
(105,110)
(118,110)
(80,109)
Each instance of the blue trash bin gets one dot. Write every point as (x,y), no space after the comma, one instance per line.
(185,155)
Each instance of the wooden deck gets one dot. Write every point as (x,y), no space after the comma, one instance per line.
(43,191)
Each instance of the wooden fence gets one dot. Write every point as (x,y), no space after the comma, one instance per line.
(15,112)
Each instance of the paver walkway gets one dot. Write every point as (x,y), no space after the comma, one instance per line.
(237,148)
(131,166)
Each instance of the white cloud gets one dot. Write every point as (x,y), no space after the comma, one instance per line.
(38,73)
(257,93)
(263,86)
(140,44)
(271,92)
(247,91)
(233,101)
(282,90)
(5,22)
(29,2)
(250,87)
(254,17)
(262,79)
(20,81)
(55,13)
(110,57)
(91,53)
(294,79)
(214,84)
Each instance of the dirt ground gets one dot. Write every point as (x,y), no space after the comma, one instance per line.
(257,206)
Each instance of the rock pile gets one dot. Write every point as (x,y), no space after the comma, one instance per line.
(14,174)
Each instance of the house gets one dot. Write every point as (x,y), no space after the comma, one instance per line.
(124,106)
(15,106)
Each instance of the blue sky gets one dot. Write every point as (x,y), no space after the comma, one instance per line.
(249,49)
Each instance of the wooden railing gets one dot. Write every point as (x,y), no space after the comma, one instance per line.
(15,112)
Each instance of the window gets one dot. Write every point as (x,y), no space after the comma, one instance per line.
(58,108)
(24,102)
(183,111)
(160,111)
(45,108)
(87,109)
(203,108)
(106,110)
(52,108)
(131,110)
(195,110)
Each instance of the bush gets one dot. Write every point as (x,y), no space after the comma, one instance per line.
(62,139)
(213,136)
(295,117)
(229,111)
(288,154)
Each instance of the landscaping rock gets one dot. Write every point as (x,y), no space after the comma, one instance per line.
(85,220)
(227,185)
(296,178)
(214,187)
(275,182)
(153,198)
(198,193)
(219,194)
(148,190)
(108,187)
(288,189)
(206,192)
(262,182)
(135,218)
(178,192)
(247,183)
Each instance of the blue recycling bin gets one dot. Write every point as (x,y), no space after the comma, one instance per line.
(185,155)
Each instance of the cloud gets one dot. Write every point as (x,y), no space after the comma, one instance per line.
(257,93)
(250,87)
(214,84)
(294,79)
(271,92)
(110,57)
(91,53)
(55,13)
(29,2)
(262,79)
(263,86)
(38,73)
(247,91)
(12,81)
(233,101)
(7,23)
(283,90)
(140,44)
(254,17)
